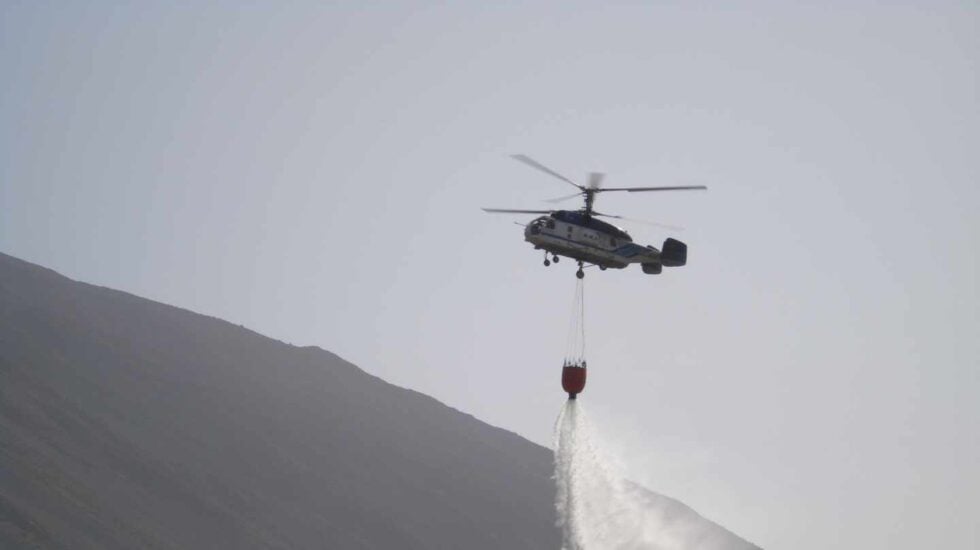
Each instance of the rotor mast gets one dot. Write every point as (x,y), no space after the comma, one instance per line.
(589,195)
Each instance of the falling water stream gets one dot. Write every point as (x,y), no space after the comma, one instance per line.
(599,509)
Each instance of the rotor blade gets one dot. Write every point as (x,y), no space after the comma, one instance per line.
(512,211)
(535,164)
(645,222)
(595,180)
(565,198)
(667,188)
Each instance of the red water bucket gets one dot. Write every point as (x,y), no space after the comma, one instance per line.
(573,379)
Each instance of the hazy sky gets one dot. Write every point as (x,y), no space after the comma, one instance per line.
(810,379)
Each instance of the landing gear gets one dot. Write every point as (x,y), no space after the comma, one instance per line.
(580,274)
(555,258)
(546,262)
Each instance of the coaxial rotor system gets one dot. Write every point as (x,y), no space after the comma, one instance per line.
(587,191)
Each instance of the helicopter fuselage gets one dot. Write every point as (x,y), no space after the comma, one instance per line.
(580,235)
(586,239)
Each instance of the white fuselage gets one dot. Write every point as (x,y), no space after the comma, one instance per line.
(587,244)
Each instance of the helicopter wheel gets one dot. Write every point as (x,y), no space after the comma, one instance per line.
(555,259)
(602,268)
(580,274)
(547,263)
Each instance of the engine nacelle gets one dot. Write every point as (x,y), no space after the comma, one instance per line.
(674,253)
(652,268)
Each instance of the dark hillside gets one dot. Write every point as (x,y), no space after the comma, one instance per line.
(125,423)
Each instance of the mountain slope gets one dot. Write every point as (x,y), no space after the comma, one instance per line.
(127,423)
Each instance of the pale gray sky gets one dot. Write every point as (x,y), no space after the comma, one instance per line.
(315,173)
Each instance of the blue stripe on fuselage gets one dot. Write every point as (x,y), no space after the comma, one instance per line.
(627,250)
(630,249)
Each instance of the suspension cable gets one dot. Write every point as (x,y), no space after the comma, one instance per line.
(575,348)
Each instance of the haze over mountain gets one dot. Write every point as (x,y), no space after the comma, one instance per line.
(126,423)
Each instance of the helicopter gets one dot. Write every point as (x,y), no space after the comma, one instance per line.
(580,236)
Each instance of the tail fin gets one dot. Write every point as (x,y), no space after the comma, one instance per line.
(674,253)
